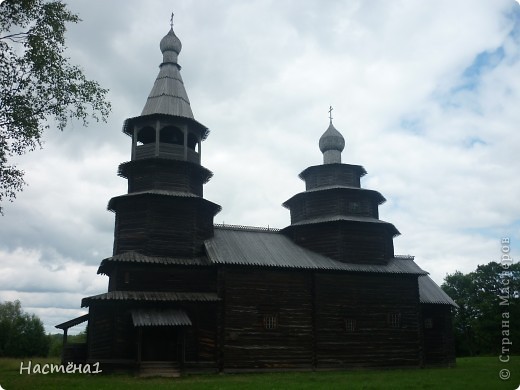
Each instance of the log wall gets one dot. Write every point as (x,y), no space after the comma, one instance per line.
(100,332)
(161,278)
(438,339)
(334,202)
(369,300)
(201,337)
(166,175)
(250,296)
(162,225)
(332,174)
(346,241)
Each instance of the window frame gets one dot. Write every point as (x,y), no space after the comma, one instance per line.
(395,320)
(270,321)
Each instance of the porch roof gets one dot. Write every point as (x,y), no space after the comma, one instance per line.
(158,317)
(70,323)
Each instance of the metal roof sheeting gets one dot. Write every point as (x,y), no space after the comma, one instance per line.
(430,292)
(272,249)
(153,296)
(158,317)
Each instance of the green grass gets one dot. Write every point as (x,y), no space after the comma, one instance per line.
(470,373)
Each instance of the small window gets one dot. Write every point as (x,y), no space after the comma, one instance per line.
(146,136)
(350,324)
(428,323)
(270,321)
(394,320)
(127,277)
(171,135)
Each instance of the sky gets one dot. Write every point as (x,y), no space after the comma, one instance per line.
(426,94)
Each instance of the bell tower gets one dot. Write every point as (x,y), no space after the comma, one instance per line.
(334,216)
(164,212)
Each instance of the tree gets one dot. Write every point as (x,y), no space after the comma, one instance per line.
(37,83)
(21,334)
(478,320)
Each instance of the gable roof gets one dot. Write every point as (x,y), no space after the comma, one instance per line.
(430,292)
(235,245)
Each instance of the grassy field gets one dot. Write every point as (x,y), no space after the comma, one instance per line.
(470,373)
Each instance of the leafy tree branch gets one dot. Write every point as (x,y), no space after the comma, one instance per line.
(38,83)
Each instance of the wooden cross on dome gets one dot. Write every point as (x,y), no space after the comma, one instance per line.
(171,21)
(330,113)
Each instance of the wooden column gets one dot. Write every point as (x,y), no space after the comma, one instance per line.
(185,143)
(139,344)
(221,322)
(157,137)
(314,314)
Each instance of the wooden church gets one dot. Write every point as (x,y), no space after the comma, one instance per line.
(326,292)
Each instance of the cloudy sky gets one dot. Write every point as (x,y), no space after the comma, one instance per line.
(426,94)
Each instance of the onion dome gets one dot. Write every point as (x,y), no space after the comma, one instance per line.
(332,144)
(170,47)
(170,42)
(168,95)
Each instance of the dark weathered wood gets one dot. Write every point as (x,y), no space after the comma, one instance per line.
(163,174)
(438,341)
(347,241)
(332,174)
(279,316)
(251,295)
(159,225)
(136,277)
(332,203)
(113,336)
(100,333)
(368,300)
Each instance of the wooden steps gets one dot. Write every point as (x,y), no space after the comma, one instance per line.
(159,369)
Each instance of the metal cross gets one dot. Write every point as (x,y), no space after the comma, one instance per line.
(171,21)
(330,113)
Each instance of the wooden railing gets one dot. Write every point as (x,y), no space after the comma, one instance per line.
(170,151)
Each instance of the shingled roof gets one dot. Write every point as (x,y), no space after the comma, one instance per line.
(135,257)
(151,296)
(168,95)
(158,317)
(430,292)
